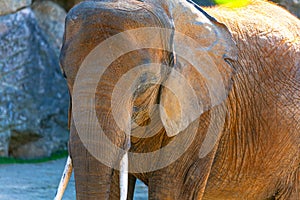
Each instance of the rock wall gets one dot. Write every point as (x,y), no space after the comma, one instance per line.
(33,93)
(10,6)
(67,4)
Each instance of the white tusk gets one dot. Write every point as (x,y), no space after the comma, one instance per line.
(64,179)
(124,177)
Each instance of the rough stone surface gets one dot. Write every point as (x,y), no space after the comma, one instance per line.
(4,141)
(292,5)
(67,4)
(51,18)
(10,6)
(33,94)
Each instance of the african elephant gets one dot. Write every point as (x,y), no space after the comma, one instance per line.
(200,114)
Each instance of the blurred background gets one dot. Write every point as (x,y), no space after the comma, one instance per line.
(33,93)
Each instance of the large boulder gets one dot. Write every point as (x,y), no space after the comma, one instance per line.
(67,4)
(51,19)
(33,93)
(10,6)
(4,142)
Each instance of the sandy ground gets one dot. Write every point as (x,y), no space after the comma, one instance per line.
(39,182)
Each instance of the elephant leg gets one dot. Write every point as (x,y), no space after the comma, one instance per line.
(94,180)
(172,184)
(187,177)
(116,186)
(131,186)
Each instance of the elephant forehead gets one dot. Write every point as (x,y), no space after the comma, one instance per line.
(91,23)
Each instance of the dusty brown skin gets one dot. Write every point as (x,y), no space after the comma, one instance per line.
(257,155)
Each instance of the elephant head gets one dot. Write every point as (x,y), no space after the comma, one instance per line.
(138,67)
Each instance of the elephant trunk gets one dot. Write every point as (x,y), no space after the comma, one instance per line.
(93,178)
(98,142)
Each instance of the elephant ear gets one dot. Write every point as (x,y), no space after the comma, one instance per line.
(201,75)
